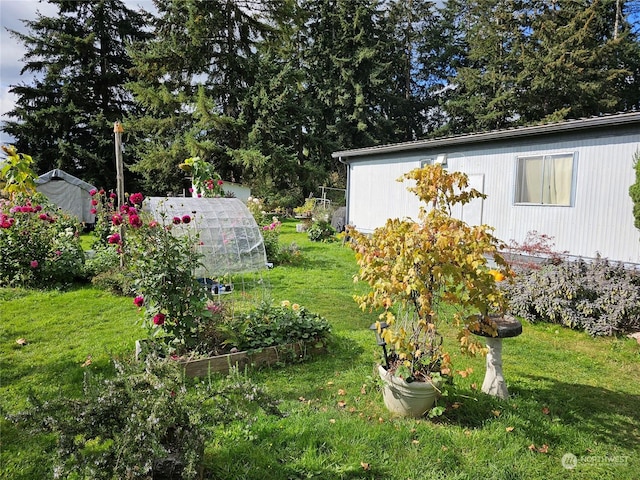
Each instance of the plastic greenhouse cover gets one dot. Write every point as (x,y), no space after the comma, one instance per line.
(230,239)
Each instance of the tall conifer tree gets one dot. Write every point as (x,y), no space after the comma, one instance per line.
(64,119)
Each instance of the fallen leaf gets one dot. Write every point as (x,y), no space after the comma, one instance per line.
(456,405)
(544,449)
(509,429)
(380,419)
(365,466)
(352,410)
(329,383)
(87,362)
(341,392)
(474,386)
(302,399)
(342,404)
(21,341)
(332,420)
(467,433)
(496,412)
(363,390)
(444,448)
(546,410)
(415,442)
(532,447)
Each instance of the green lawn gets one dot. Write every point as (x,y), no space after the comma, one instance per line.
(570,393)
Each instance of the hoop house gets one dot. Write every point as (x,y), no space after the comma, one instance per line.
(230,239)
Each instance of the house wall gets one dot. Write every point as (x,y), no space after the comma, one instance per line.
(599,222)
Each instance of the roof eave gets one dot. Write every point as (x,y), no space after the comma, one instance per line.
(520,132)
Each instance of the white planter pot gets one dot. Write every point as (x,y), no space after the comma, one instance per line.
(407,399)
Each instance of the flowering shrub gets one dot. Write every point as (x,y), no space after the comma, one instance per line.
(271,237)
(206,182)
(159,265)
(257,208)
(38,248)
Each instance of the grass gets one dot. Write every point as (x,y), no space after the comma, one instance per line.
(570,393)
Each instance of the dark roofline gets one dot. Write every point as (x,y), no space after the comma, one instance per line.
(620,119)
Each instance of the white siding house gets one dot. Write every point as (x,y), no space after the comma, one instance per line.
(569,180)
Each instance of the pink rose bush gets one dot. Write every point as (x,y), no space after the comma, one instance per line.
(160,266)
(39,245)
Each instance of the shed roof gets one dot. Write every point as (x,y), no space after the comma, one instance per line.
(609,121)
(57,174)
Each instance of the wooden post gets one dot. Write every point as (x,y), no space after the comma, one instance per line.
(118,130)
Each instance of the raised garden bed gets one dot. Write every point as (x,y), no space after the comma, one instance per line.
(200,367)
(267,356)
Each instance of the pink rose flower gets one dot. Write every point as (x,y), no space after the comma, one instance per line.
(158,319)
(138,301)
(114,239)
(134,221)
(34,264)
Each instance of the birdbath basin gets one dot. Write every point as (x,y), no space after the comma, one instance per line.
(505,327)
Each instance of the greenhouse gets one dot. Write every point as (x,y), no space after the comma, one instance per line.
(228,236)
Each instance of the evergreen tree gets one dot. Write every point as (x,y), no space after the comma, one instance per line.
(531,61)
(580,60)
(484,91)
(64,119)
(348,73)
(191,80)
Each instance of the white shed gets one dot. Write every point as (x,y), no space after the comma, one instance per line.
(569,180)
(68,193)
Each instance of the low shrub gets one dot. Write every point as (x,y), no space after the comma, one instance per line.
(321,231)
(143,423)
(270,325)
(599,297)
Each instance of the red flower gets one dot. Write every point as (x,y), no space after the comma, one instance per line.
(116,219)
(176,220)
(134,221)
(138,301)
(186,219)
(112,195)
(158,319)
(114,239)
(94,202)
(43,216)
(93,211)
(38,208)
(93,191)
(136,198)
(34,263)
(220,182)
(153,224)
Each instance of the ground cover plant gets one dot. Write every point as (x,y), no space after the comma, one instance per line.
(570,393)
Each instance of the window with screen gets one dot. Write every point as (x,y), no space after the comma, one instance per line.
(545,179)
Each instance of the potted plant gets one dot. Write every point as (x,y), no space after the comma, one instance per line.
(413,268)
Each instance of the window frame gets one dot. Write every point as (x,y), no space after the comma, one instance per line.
(519,178)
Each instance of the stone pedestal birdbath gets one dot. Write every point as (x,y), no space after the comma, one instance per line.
(506,326)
